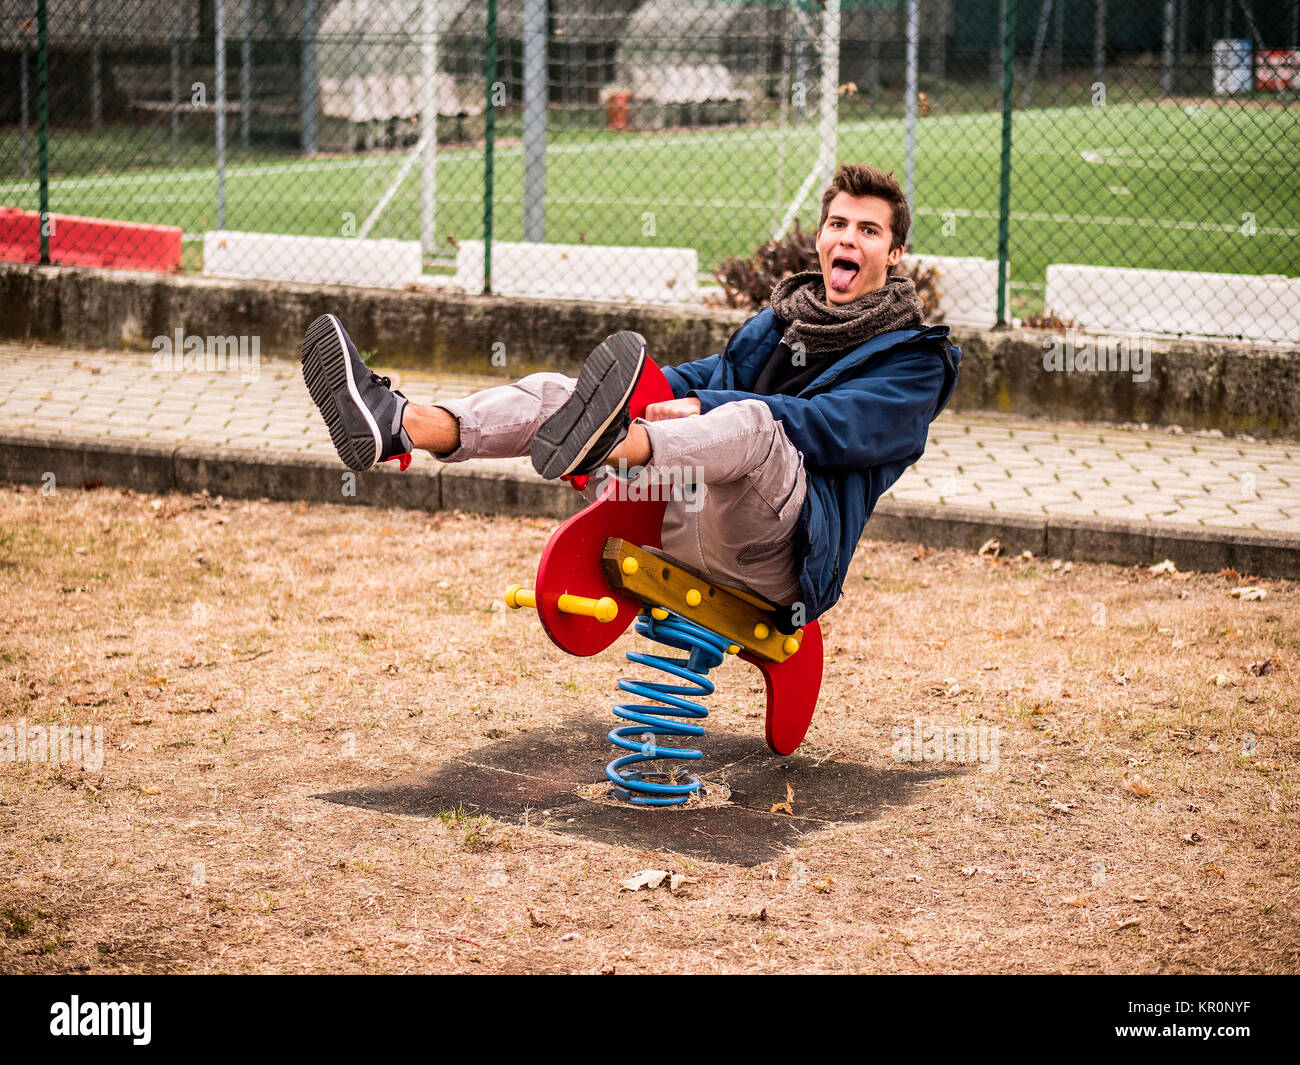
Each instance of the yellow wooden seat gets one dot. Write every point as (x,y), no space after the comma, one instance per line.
(664,583)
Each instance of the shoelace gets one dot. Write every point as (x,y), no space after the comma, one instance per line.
(402,460)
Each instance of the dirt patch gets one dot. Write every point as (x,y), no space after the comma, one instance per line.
(711,794)
(1017,764)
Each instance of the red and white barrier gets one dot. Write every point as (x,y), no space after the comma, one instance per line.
(76,241)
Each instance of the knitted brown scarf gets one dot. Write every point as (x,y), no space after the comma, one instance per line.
(800,303)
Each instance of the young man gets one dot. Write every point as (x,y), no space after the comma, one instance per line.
(817,405)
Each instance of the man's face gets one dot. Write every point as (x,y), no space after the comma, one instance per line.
(853,247)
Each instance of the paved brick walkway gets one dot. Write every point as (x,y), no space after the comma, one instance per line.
(1007,465)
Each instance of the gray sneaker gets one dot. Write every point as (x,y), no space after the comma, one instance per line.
(363,414)
(577,438)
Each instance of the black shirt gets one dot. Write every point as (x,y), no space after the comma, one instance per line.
(782,376)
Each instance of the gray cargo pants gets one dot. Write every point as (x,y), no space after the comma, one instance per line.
(735,483)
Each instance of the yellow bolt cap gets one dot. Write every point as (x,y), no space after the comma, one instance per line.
(761,631)
(629,566)
(658,613)
(790,646)
(734,649)
(693,597)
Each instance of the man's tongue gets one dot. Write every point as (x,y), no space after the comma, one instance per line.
(842,276)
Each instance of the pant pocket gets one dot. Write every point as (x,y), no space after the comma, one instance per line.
(769,569)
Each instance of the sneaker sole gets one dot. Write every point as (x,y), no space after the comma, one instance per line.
(327,369)
(605,385)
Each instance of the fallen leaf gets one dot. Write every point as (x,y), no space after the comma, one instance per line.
(1191,838)
(675,882)
(1248,594)
(1212,870)
(786,806)
(1265,667)
(823,884)
(1167,566)
(990,549)
(1132,922)
(646,878)
(1220,680)
(1058,807)
(151,789)
(1136,785)
(1077,900)
(913,878)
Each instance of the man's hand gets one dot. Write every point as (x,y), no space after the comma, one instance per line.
(672,408)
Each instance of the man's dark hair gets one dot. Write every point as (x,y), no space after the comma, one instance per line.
(859,180)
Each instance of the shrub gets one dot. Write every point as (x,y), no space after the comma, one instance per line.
(749,282)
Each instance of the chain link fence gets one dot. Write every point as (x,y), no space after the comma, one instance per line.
(1123,167)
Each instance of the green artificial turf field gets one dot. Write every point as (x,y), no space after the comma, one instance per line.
(1173,186)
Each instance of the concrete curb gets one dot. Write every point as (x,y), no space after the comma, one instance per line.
(238,473)
(1114,540)
(1232,386)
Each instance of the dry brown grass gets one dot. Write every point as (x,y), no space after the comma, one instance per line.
(242,657)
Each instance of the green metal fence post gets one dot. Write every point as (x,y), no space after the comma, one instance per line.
(489,138)
(43,121)
(1004,197)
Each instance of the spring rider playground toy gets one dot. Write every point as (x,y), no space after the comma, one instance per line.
(603,569)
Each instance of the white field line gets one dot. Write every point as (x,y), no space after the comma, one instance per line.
(690,140)
(1124,158)
(959,212)
(659,143)
(1110,220)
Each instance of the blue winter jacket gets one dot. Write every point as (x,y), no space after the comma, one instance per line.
(859,425)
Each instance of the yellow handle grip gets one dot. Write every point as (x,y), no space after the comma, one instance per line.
(603,609)
(517,595)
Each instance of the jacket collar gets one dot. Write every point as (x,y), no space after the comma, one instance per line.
(881,344)
(756,348)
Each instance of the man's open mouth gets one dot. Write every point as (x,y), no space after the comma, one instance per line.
(843,271)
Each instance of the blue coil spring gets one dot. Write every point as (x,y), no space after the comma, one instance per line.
(671,714)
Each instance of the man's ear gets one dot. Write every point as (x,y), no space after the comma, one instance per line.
(894,255)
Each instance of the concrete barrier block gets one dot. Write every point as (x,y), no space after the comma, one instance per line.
(1175,302)
(312,260)
(968,288)
(582,272)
